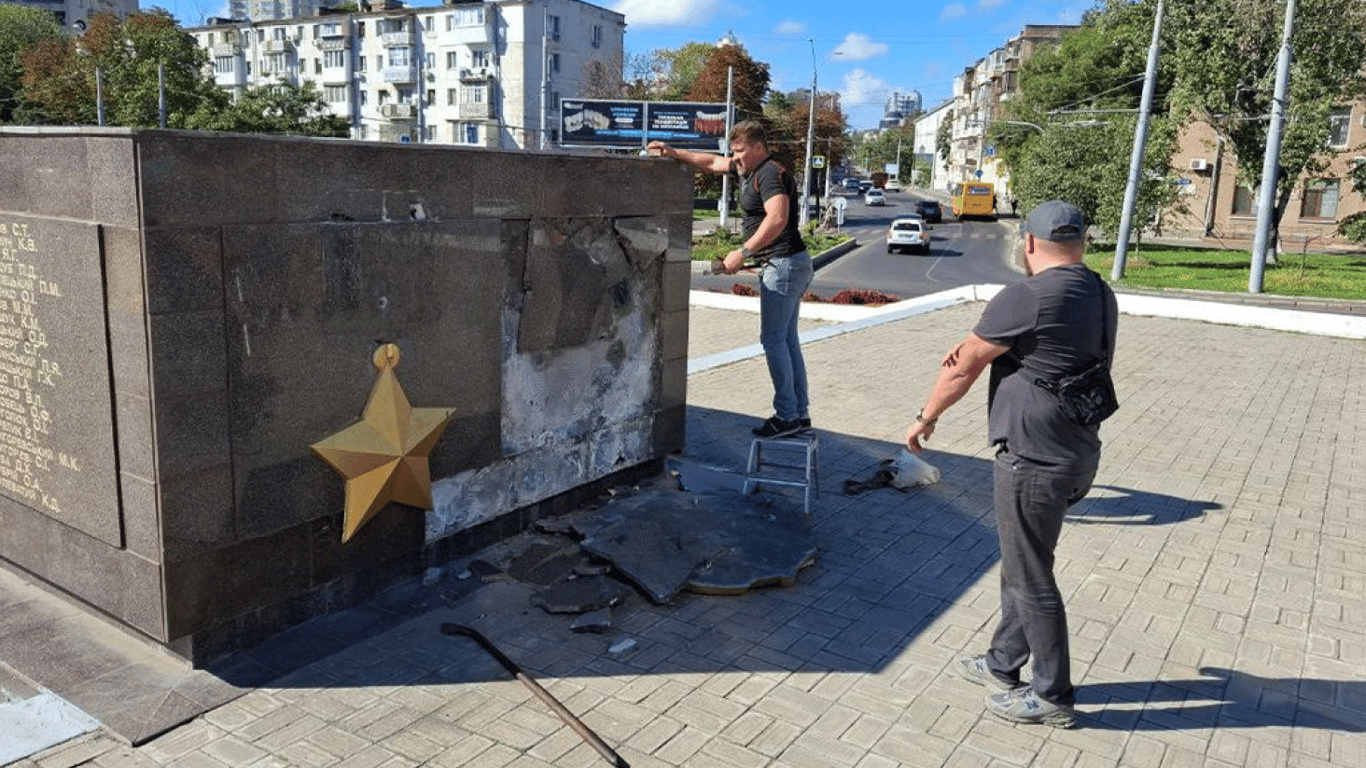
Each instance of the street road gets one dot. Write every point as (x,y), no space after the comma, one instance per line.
(961,253)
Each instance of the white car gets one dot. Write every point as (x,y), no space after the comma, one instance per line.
(893,185)
(910,233)
(874,196)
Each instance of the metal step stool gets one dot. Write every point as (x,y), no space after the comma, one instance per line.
(767,454)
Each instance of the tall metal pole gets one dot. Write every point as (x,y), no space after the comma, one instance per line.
(1126,220)
(725,179)
(545,72)
(805,215)
(161,95)
(99,96)
(1266,199)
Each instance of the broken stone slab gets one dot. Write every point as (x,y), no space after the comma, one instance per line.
(590,593)
(597,622)
(486,571)
(545,564)
(716,543)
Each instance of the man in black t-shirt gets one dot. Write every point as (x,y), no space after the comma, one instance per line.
(768,199)
(1058,321)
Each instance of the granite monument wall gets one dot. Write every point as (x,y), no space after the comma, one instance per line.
(183,314)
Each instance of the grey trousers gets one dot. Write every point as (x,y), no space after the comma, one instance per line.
(1030,502)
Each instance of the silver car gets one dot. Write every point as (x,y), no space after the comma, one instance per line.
(874,197)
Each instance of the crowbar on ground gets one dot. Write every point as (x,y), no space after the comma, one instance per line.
(550,701)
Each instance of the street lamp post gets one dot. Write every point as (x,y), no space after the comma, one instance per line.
(805,214)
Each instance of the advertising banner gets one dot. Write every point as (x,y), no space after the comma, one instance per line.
(606,123)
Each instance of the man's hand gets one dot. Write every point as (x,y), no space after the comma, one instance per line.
(918,431)
(659,148)
(734,261)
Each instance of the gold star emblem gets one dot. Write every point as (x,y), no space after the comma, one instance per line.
(384,455)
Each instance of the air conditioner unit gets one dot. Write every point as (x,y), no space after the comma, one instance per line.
(1199,164)
(1357,161)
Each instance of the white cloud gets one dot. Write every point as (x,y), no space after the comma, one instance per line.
(789,28)
(652,13)
(987,5)
(953,11)
(861,89)
(858,47)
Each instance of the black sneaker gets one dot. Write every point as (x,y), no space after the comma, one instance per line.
(776,427)
(806,422)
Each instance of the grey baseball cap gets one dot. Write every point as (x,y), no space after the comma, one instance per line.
(1055,220)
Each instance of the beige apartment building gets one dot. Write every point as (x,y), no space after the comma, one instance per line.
(1221,208)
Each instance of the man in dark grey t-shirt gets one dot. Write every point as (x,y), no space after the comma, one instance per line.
(1058,321)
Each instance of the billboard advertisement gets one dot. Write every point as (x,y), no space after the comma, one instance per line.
(633,124)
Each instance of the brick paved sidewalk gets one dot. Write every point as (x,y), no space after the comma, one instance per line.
(1216,584)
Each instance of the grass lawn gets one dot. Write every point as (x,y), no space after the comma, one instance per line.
(717,245)
(1324,276)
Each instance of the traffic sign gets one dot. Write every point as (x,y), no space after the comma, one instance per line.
(979,173)
(991,150)
(817,161)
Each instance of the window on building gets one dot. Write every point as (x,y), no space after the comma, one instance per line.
(1339,127)
(553,27)
(479,58)
(379,61)
(210,39)
(400,56)
(334,94)
(383,97)
(467,17)
(1242,201)
(223,64)
(1320,200)
(597,35)
(278,33)
(364,97)
(451,97)
(472,94)
(452,59)
(450,21)
(360,63)
(431,61)
(360,29)
(317,66)
(426,23)
(248,69)
(405,95)
(333,59)
(431,96)
(471,133)
(554,62)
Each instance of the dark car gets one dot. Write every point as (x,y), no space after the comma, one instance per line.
(929,210)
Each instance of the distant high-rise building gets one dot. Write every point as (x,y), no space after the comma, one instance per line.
(75,14)
(900,108)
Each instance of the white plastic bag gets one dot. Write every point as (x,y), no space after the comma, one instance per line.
(909,471)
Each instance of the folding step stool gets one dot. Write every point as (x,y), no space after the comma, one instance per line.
(804,446)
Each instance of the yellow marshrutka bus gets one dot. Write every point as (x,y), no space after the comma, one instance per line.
(974,198)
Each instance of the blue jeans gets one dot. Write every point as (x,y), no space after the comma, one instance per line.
(1030,501)
(782,284)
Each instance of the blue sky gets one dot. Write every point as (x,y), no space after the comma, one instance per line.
(865,49)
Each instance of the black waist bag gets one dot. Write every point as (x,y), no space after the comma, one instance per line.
(1088,397)
(1085,398)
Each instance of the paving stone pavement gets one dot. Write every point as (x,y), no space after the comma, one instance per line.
(1215,583)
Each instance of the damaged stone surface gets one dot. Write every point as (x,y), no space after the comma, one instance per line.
(666,541)
(583,595)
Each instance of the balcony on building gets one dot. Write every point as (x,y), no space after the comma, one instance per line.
(474,110)
(277,46)
(400,74)
(333,29)
(475,74)
(399,111)
(225,49)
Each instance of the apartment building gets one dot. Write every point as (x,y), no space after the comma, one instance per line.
(75,14)
(1215,204)
(977,96)
(487,74)
(927,144)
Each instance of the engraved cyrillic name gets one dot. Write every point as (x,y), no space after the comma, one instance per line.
(29,376)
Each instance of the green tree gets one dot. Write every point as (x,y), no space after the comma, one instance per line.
(281,108)
(749,85)
(1224,55)
(1067,134)
(59,75)
(21,27)
(674,70)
